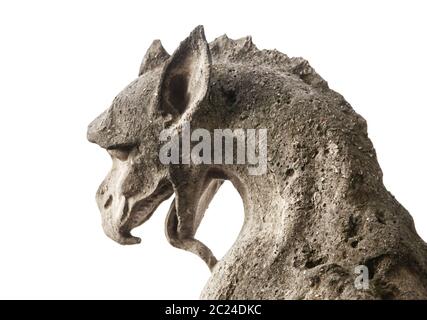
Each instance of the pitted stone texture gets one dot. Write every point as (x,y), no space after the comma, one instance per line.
(319,211)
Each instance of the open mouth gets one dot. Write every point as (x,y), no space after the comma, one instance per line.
(121,214)
(141,210)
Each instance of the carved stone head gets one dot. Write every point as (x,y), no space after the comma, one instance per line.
(167,90)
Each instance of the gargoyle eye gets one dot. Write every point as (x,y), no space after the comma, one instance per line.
(120,152)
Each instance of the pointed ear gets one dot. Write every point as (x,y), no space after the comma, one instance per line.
(185,79)
(155,56)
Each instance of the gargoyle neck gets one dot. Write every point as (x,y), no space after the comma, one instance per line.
(260,195)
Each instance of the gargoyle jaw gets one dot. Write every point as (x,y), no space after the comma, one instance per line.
(141,210)
(121,214)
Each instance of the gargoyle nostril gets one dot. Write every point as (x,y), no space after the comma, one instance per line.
(108,202)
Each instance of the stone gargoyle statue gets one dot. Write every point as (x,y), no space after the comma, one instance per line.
(319,211)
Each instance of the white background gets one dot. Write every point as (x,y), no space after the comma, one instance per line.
(62,63)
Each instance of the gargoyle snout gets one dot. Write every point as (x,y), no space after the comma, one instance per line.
(114,211)
(119,236)
(96,129)
(114,206)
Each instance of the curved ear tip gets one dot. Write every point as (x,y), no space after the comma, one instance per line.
(200,30)
(157,44)
(154,57)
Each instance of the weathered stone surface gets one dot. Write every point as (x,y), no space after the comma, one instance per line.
(320,210)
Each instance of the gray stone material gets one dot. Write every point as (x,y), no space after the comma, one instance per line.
(320,210)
